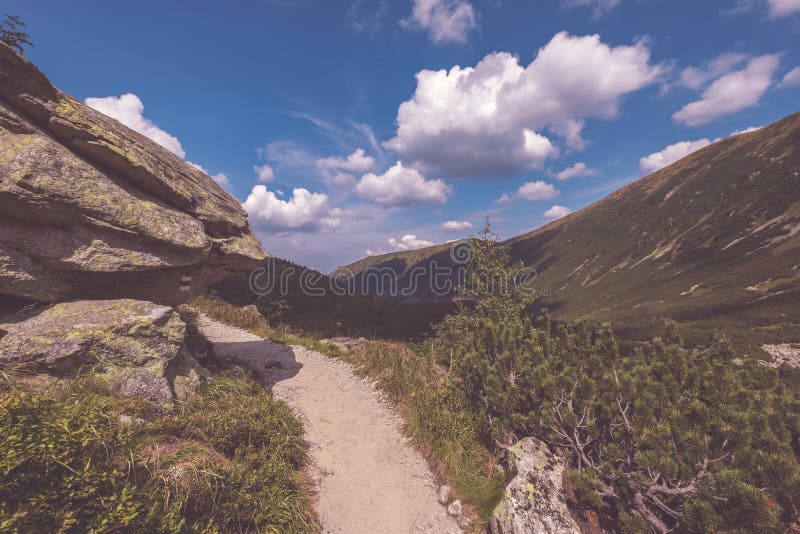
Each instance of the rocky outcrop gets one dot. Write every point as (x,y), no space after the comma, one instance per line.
(92,209)
(137,346)
(534,499)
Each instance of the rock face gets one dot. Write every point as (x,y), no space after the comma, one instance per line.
(533,500)
(138,346)
(92,209)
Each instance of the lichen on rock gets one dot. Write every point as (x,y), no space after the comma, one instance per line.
(91,209)
(139,347)
(534,499)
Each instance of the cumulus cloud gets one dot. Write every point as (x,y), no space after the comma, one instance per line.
(681,149)
(671,154)
(409,242)
(697,77)
(341,178)
(598,7)
(129,110)
(303,212)
(747,130)
(456,226)
(792,79)
(556,212)
(402,186)
(446,21)
(783,8)
(358,161)
(537,191)
(265,173)
(486,121)
(579,170)
(505,198)
(730,93)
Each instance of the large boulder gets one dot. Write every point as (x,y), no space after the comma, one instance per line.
(138,346)
(534,499)
(91,209)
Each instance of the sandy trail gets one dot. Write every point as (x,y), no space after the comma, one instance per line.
(369,479)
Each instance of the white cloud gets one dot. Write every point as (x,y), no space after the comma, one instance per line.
(537,191)
(265,173)
(409,242)
(599,7)
(776,8)
(697,77)
(483,121)
(578,170)
(128,109)
(341,178)
(221,179)
(446,21)
(747,130)
(783,8)
(505,198)
(456,226)
(556,212)
(303,212)
(792,79)
(402,186)
(288,155)
(730,93)
(671,154)
(358,161)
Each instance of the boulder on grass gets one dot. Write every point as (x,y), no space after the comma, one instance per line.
(138,346)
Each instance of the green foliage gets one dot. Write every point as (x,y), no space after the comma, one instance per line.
(228,460)
(673,436)
(436,417)
(487,342)
(273,309)
(11,34)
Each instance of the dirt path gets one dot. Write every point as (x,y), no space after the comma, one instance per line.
(369,478)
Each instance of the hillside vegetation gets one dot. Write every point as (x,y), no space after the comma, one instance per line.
(667,436)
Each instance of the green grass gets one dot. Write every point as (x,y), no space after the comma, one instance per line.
(433,413)
(228,460)
(250,320)
(435,418)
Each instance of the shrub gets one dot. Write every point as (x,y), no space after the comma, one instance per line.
(674,437)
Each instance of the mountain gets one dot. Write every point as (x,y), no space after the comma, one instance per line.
(712,241)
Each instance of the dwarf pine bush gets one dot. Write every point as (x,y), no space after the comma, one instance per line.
(672,437)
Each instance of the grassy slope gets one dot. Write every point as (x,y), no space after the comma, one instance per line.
(228,460)
(723,221)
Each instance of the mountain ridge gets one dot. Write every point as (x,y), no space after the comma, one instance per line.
(716,234)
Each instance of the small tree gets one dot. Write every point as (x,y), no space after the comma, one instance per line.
(272,309)
(487,341)
(12,35)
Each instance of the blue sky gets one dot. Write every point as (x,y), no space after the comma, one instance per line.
(367,125)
